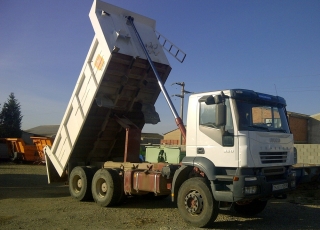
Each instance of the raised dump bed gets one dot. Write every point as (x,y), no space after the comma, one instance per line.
(115,93)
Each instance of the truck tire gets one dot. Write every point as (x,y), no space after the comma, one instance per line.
(196,203)
(250,209)
(80,183)
(106,187)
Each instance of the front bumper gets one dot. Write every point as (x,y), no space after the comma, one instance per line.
(252,187)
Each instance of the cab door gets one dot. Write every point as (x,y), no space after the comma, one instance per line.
(213,142)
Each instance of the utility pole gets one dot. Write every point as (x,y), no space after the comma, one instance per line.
(183,92)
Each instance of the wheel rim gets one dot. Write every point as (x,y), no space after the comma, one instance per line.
(193,202)
(102,188)
(77,184)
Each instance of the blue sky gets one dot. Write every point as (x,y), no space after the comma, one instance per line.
(267,46)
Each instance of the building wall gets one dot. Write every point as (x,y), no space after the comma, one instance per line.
(299,128)
(314,131)
(150,141)
(172,138)
(308,153)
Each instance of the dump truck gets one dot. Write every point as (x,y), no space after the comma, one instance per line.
(239,148)
(40,143)
(19,151)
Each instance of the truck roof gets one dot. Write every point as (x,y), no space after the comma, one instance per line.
(246,94)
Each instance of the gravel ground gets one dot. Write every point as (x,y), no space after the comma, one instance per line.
(28,202)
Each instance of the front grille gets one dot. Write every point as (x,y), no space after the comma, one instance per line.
(273,157)
(272,178)
(273,171)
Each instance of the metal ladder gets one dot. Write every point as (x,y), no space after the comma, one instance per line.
(171,48)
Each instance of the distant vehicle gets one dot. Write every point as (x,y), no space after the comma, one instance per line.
(40,143)
(19,151)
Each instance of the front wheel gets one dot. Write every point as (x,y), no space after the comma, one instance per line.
(196,203)
(250,209)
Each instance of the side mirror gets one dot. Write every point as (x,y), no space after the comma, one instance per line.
(210,100)
(221,114)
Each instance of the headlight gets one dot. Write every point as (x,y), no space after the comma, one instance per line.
(250,178)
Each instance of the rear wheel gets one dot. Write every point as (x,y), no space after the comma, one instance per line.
(106,187)
(250,209)
(196,203)
(80,183)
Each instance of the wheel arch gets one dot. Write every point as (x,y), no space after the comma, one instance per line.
(203,164)
(188,164)
(181,175)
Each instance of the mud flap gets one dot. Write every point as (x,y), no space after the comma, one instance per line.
(52,173)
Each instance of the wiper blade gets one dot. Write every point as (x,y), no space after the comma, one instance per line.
(210,124)
(259,127)
(278,130)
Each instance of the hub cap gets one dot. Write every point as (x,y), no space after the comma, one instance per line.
(79,182)
(193,202)
(102,187)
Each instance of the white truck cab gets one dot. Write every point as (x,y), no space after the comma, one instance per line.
(255,133)
(241,141)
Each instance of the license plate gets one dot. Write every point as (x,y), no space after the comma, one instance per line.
(276,187)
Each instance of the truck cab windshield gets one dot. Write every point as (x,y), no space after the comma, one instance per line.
(261,117)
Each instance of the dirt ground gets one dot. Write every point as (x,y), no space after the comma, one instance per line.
(28,202)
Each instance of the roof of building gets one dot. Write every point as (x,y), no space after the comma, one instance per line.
(298,114)
(174,130)
(316,116)
(44,130)
(151,135)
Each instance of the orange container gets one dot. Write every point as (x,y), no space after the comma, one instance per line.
(20,151)
(40,143)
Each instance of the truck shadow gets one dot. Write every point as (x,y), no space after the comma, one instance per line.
(30,186)
(145,202)
(277,215)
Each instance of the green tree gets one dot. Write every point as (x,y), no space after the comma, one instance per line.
(10,118)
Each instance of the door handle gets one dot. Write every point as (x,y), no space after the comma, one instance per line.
(200,150)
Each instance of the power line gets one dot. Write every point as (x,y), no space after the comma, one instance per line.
(315,90)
